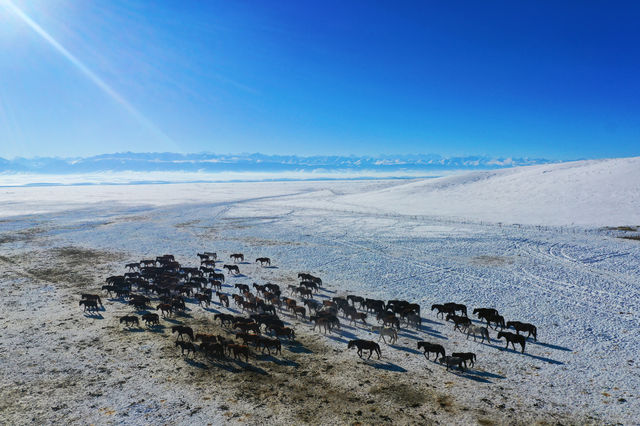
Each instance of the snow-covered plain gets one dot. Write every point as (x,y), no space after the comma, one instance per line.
(528,241)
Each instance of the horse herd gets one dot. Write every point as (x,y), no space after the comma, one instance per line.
(171,284)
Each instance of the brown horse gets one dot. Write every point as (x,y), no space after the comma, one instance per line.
(267,343)
(250,326)
(284,332)
(239,351)
(224,318)
(224,299)
(165,308)
(237,257)
(181,329)
(366,345)
(203,337)
(213,349)
(247,337)
(151,319)
(203,299)
(186,346)
(299,310)
(358,316)
(216,284)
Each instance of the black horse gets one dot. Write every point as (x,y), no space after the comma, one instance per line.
(181,329)
(151,319)
(428,347)
(512,338)
(186,346)
(442,309)
(524,327)
(466,356)
(129,320)
(367,345)
(458,321)
(485,313)
(498,319)
(457,307)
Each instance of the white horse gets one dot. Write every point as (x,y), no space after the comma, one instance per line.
(477,330)
(386,331)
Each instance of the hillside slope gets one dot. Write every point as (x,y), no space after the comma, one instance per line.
(594,192)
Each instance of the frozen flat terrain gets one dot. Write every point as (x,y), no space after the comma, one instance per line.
(528,241)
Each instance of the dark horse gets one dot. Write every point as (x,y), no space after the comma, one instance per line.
(524,327)
(89,305)
(428,347)
(129,320)
(466,356)
(186,346)
(151,319)
(367,345)
(442,309)
(485,313)
(264,261)
(233,268)
(512,338)
(181,329)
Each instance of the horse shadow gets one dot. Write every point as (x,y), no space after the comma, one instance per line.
(240,276)
(336,338)
(406,349)
(408,336)
(250,367)
(542,358)
(244,263)
(212,310)
(436,334)
(270,267)
(431,321)
(137,329)
(384,365)
(326,290)
(350,327)
(298,348)
(223,366)
(347,334)
(192,362)
(538,357)
(156,328)
(172,320)
(322,295)
(283,362)
(96,315)
(487,374)
(549,345)
(468,374)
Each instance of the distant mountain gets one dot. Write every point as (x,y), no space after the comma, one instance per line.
(213,163)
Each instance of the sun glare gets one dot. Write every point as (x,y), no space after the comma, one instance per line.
(15,11)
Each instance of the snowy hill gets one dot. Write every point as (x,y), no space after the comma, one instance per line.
(581,193)
(597,192)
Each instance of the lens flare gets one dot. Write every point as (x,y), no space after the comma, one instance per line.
(86,71)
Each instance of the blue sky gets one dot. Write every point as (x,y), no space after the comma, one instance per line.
(526,79)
